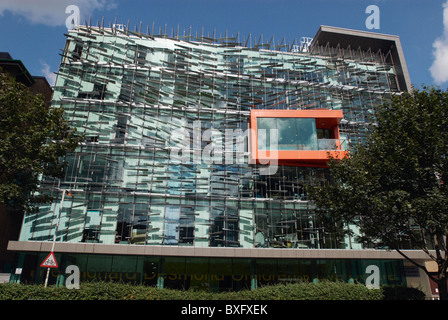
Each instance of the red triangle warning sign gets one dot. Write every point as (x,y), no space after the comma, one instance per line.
(50,261)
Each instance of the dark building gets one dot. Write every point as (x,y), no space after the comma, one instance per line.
(10,222)
(37,84)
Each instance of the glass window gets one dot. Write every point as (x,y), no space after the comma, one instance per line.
(174,274)
(77,52)
(149,269)
(293,133)
(186,225)
(305,270)
(264,125)
(124,269)
(287,134)
(288,270)
(220,277)
(98,267)
(267,273)
(306,131)
(330,270)
(242,274)
(323,134)
(171,235)
(198,271)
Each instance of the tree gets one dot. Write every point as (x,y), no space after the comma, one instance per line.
(33,140)
(394,187)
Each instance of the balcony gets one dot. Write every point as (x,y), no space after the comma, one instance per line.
(296,137)
(332,144)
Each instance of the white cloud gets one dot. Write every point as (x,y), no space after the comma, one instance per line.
(50,76)
(439,68)
(52,12)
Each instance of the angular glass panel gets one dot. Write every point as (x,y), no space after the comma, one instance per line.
(293,133)
(287,134)
(171,235)
(328,144)
(306,129)
(264,125)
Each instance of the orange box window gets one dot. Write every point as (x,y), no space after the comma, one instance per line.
(296,137)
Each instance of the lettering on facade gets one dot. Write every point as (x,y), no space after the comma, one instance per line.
(372,277)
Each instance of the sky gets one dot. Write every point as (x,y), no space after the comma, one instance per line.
(33,30)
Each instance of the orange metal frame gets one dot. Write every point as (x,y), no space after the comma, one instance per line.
(325,119)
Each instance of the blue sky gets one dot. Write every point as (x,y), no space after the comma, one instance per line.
(33,30)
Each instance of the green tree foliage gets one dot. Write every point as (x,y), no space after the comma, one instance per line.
(394,187)
(33,140)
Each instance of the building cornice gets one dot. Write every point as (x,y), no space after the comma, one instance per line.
(196,252)
(364,40)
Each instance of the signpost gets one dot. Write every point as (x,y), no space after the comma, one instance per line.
(50,261)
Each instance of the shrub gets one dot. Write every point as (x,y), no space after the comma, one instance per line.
(117,291)
(402,293)
(316,291)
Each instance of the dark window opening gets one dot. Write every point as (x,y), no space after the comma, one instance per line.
(324,134)
(121,129)
(92,139)
(99,92)
(77,52)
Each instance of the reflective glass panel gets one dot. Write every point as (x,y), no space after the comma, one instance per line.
(293,133)
(287,134)
(306,131)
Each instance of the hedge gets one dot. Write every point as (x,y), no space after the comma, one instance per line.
(295,291)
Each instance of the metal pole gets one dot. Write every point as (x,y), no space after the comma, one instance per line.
(55,231)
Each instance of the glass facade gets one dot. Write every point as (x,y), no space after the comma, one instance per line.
(293,133)
(207,273)
(166,158)
(138,98)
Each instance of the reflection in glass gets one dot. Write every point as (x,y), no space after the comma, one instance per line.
(306,131)
(171,235)
(264,125)
(293,133)
(287,133)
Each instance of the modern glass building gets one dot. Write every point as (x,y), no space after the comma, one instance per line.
(197,154)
